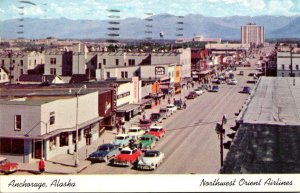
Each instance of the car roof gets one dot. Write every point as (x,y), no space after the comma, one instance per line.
(108,144)
(135,127)
(156,127)
(2,158)
(123,135)
(152,151)
(127,149)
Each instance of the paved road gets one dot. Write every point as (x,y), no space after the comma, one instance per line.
(191,144)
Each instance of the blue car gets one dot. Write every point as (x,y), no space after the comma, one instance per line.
(246,89)
(104,153)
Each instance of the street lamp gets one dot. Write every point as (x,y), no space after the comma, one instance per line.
(291,49)
(76,143)
(220,131)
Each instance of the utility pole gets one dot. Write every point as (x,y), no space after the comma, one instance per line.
(10,66)
(291,50)
(221,132)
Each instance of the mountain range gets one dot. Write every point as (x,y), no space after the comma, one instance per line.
(134,28)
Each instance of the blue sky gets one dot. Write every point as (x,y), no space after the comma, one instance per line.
(97,9)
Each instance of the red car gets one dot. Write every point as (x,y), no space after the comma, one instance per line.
(145,124)
(157,131)
(7,166)
(127,157)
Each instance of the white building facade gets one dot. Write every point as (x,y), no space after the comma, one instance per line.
(35,128)
(288,62)
(252,34)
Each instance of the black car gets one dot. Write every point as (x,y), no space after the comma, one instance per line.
(192,95)
(156,117)
(178,104)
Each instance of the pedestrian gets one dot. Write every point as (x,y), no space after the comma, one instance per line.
(169,100)
(144,116)
(123,129)
(41,165)
(118,127)
(184,105)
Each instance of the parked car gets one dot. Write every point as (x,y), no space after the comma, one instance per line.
(6,166)
(192,95)
(147,141)
(172,108)
(151,160)
(122,140)
(157,131)
(164,112)
(145,124)
(216,81)
(127,157)
(199,91)
(156,117)
(104,153)
(232,82)
(215,88)
(179,104)
(135,132)
(246,89)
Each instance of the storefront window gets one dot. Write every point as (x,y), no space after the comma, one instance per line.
(52,142)
(11,146)
(63,139)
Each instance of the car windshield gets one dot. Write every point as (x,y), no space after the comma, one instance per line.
(154,129)
(125,152)
(215,87)
(133,130)
(170,106)
(103,148)
(144,121)
(145,139)
(163,110)
(120,137)
(155,116)
(150,154)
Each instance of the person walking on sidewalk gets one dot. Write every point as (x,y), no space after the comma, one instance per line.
(123,129)
(41,165)
(118,127)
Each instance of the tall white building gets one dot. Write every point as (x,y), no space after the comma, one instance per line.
(252,34)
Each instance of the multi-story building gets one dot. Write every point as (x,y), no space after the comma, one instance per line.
(58,63)
(287,63)
(4,75)
(35,127)
(19,63)
(252,34)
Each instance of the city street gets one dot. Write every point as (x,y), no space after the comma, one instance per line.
(191,144)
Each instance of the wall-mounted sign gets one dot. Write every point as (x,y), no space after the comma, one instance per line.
(160,71)
(125,94)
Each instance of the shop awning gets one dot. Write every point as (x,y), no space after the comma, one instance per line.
(127,108)
(146,101)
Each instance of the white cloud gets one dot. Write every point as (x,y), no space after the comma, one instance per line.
(279,7)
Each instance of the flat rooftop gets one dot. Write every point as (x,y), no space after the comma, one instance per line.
(267,140)
(276,100)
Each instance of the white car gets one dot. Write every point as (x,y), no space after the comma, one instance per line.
(232,82)
(199,91)
(172,108)
(135,132)
(151,160)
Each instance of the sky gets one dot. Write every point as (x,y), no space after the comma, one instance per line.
(97,9)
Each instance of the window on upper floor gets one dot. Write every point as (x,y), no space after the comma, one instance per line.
(21,62)
(107,74)
(282,66)
(117,62)
(21,72)
(34,62)
(104,61)
(99,65)
(122,74)
(53,71)
(52,60)
(131,62)
(126,74)
(297,67)
(52,118)
(290,66)
(2,63)
(18,123)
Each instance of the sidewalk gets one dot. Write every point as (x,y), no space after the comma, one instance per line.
(65,163)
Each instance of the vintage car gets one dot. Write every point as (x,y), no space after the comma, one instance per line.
(172,108)
(104,153)
(246,89)
(232,82)
(151,160)
(7,167)
(145,124)
(127,157)
(192,95)
(179,104)
(199,91)
(157,131)
(215,88)
(147,141)
(156,117)
(122,140)
(164,112)
(135,132)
